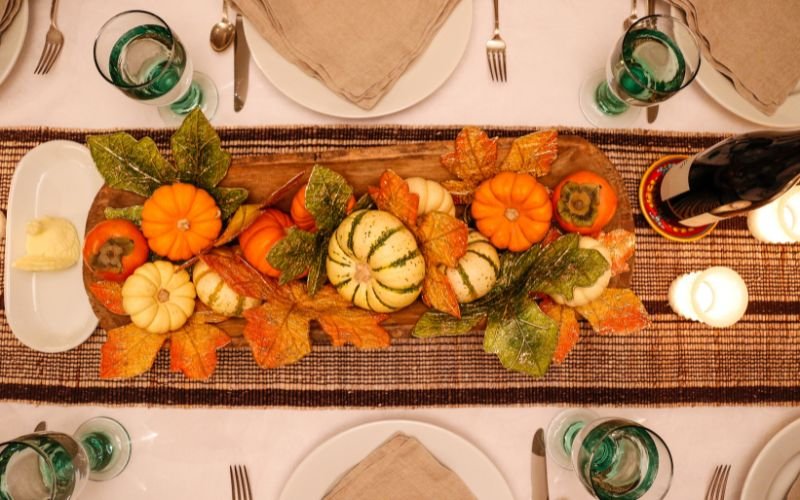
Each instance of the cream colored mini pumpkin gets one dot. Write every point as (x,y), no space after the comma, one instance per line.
(585,294)
(477,270)
(433,197)
(158,296)
(217,295)
(373,261)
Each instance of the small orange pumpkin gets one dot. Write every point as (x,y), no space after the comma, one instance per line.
(300,214)
(513,210)
(180,221)
(258,239)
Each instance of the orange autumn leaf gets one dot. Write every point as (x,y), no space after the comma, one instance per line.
(202,314)
(108,293)
(475,157)
(193,349)
(618,311)
(392,195)
(438,293)
(533,153)
(129,351)
(238,274)
(568,328)
(621,244)
(442,238)
(278,330)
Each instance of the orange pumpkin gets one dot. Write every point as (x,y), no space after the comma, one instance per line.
(584,202)
(513,210)
(180,221)
(258,239)
(300,214)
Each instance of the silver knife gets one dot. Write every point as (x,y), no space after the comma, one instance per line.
(652,111)
(241,65)
(538,468)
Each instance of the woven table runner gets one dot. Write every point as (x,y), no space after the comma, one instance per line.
(674,362)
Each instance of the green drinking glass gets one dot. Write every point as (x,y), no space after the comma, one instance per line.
(614,458)
(48,465)
(655,58)
(137,52)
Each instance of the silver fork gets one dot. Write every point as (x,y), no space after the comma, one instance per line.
(52,44)
(240,483)
(496,49)
(716,488)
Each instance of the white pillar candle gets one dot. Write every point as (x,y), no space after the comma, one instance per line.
(717,296)
(778,221)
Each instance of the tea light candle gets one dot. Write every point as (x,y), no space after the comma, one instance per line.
(717,296)
(778,221)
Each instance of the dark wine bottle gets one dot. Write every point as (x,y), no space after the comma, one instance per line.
(732,177)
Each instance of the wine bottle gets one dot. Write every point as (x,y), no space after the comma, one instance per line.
(732,177)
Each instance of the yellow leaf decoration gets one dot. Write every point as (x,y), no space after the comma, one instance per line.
(618,311)
(129,351)
(533,153)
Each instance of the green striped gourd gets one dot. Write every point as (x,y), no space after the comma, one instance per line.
(374,262)
(217,295)
(433,197)
(582,295)
(477,270)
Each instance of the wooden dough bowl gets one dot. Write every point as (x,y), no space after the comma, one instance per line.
(362,167)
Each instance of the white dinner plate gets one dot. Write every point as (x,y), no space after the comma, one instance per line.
(319,471)
(11,41)
(776,466)
(49,311)
(426,74)
(722,90)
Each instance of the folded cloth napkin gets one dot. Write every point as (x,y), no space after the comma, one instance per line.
(358,48)
(756,44)
(400,469)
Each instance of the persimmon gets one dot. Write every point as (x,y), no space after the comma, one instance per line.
(114,249)
(584,202)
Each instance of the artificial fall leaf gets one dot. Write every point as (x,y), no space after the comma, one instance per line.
(621,244)
(108,293)
(238,274)
(552,235)
(474,159)
(568,328)
(241,220)
(193,349)
(129,351)
(532,153)
(278,330)
(202,315)
(392,195)
(438,293)
(443,238)
(618,311)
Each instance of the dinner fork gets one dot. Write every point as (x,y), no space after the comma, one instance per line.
(240,483)
(716,488)
(52,44)
(496,49)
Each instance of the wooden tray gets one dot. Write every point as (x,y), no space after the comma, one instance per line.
(362,167)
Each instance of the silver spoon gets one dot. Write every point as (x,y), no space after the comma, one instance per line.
(223,32)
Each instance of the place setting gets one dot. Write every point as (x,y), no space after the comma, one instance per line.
(565,275)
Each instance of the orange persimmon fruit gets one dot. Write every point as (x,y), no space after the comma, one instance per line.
(584,202)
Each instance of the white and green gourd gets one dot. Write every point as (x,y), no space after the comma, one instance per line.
(582,295)
(477,270)
(374,262)
(217,295)
(433,197)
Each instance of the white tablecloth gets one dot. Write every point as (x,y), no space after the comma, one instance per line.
(184,453)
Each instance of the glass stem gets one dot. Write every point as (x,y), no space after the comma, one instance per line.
(99,450)
(607,101)
(570,435)
(190,100)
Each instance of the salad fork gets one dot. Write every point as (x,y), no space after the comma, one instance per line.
(52,45)
(716,488)
(496,49)
(240,483)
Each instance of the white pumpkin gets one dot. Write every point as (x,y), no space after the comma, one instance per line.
(158,296)
(583,295)
(477,270)
(433,197)
(374,262)
(216,294)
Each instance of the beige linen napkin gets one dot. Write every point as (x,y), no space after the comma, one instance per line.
(755,43)
(358,48)
(400,469)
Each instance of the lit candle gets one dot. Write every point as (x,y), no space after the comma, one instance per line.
(778,221)
(717,296)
